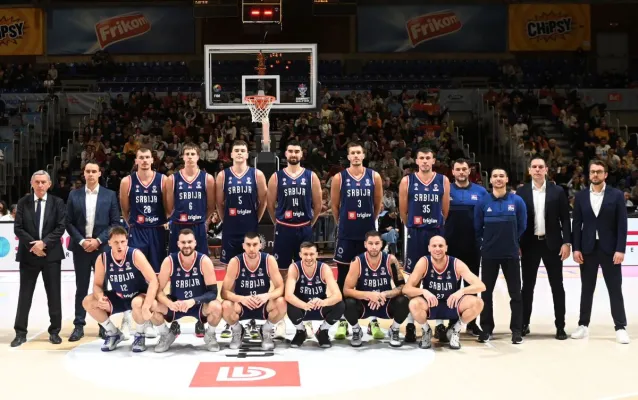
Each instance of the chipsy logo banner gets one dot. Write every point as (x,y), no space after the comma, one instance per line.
(21,31)
(432,28)
(121,30)
(549,27)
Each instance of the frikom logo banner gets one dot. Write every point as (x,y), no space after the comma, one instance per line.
(432,28)
(549,27)
(21,32)
(121,30)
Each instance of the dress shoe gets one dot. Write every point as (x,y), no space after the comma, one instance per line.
(18,341)
(561,334)
(55,338)
(525,330)
(77,334)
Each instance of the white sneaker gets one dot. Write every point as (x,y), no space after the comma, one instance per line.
(125,327)
(581,333)
(150,332)
(622,336)
(280,330)
(309,332)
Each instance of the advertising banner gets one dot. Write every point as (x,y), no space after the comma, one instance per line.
(432,28)
(549,27)
(9,246)
(21,32)
(121,30)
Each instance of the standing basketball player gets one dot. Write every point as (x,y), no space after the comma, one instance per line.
(247,295)
(134,287)
(434,289)
(356,195)
(241,202)
(193,292)
(424,202)
(190,202)
(312,294)
(142,202)
(294,204)
(373,289)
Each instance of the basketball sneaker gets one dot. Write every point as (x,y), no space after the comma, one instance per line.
(226,332)
(300,337)
(473,329)
(308,326)
(342,330)
(375,330)
(253,330)
(150,331)
(426,339)
(210,341)
(440,333)
(125,326)
(111,341)
(280,330)
(238,335)
(267,339)
(455,339)
(139,343)
(357,336)
(323,338)
(166,340)
(395,338)
(200,330)
(410,333)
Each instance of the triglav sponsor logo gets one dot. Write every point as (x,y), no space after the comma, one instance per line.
(121,27)
(433,25)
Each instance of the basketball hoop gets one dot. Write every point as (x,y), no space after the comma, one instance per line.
(259,109)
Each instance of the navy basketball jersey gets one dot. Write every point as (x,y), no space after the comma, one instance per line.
(425,202)
(126,280)
(312,286)
(252,282)
(444,283)
(187,281)
(147,207)
(240,202)
(356,212)
(294,198)
(374,278)
(190,199)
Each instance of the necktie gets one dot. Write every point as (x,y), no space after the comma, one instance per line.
(38,215)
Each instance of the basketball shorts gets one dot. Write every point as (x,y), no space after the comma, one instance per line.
(442,311)
(288,241)
(120,304)
(347,250)
(197,312)
(383,312)
(151,242)
(232,245)
(201,236)
(257,313)
(418,241)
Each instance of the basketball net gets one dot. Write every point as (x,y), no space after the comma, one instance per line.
(260,104)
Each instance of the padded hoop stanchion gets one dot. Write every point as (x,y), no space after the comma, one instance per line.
(260,109)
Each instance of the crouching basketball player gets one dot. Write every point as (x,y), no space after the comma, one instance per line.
(312,294)
(373,288)
(134,286)
(193,292)
(433,289)
(247,292)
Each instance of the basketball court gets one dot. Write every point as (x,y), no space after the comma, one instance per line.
(541,367)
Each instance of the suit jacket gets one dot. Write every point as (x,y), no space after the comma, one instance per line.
(558,226)
(26,228)
(107,214)
(611,223)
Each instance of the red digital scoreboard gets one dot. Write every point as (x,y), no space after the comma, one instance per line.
(261,12)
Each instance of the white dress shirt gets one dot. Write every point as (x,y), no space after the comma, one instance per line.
(91,209)
(43,207)
(596,200)
(538,195)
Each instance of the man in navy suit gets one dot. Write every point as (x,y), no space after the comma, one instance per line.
(91,211)
(600,238)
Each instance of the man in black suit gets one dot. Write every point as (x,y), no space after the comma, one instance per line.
(91,211)
(600,238)
(39,226)
(547,237)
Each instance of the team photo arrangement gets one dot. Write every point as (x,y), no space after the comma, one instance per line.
(458,237)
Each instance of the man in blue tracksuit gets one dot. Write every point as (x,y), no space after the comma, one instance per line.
(499,222)
(459,227)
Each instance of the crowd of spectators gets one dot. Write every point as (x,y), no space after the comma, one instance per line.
(28,78)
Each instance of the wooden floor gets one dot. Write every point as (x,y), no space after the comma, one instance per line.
(540,368)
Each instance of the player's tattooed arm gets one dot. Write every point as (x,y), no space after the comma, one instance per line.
(397,278)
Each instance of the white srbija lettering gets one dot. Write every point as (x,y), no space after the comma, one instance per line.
(440,286)
(252,284)
(187,283)
(190,195)
(426,197)
(311,290)
(358,193)
(240,189)
(140,199)
(294,191)
(376,282)
(120,278)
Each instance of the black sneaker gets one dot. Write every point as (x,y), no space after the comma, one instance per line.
(440,333)
(175,328)
(525,330)
(473,329)
(300,337)
(517,338)
(485,337)
(323,338)
(199,329)
(410,333)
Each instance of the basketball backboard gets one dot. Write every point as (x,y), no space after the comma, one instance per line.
(286,71)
